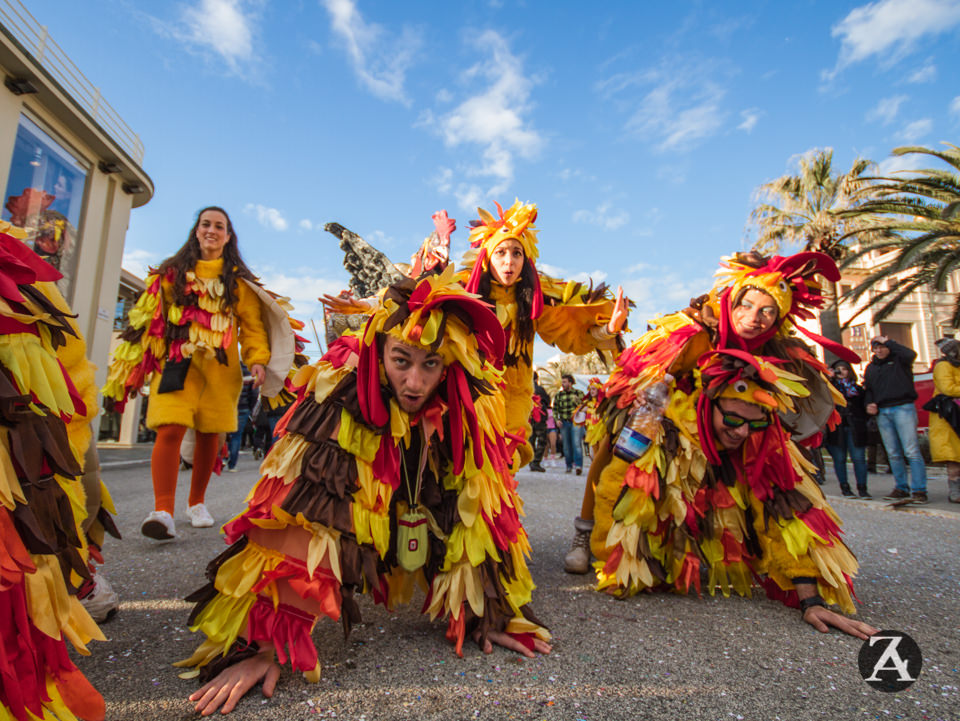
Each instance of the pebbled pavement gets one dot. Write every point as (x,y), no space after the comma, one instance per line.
(656,656)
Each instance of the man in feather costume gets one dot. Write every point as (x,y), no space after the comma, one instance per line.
(393,472)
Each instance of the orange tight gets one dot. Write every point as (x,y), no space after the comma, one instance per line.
(165,464)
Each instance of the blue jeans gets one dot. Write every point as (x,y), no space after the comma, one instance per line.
(572,442)
(234,440)
(898,428)
(858,454)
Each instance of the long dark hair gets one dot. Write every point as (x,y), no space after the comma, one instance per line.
(186,258)
(524,293)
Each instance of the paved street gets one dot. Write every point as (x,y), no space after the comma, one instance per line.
(654,656)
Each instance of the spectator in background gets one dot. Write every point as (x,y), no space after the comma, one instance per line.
(945,415)
(850,437)
(551,434)
(565,403)
(889,395)
(538,422)
(248,399)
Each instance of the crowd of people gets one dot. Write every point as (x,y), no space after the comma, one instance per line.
(393,460)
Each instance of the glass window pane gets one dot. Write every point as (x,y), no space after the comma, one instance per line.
(45,191)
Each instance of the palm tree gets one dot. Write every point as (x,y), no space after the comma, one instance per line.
(917,216)
(807,211)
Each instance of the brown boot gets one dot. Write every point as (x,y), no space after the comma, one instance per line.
(578,559)
(954,484)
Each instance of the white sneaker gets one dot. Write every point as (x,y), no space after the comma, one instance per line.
(101,603)
(158,526)
(199,516)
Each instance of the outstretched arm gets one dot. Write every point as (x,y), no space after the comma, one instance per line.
(822,618)
(618,319)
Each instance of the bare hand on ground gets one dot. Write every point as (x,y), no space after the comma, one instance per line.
(510,643)
(232,684)
(822,618)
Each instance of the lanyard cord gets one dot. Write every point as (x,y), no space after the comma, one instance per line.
(413,499)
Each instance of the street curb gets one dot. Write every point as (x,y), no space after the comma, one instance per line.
(111,465)
(887,508)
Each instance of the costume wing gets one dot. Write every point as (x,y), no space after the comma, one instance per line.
(370,270)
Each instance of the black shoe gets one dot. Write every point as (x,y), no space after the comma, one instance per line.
(579,471)
(920,498)
(537,468)
(896,495)
(847,493)
(862,492)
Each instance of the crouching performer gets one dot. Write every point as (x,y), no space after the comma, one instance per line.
(393,472)
(722,495)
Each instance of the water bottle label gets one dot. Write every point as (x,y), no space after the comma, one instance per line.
(631,444)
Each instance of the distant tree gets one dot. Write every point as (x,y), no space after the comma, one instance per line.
(917,218)
(589,364)
(807,211)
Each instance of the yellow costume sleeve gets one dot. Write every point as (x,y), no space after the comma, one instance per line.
(568,327)
(946,380)
(251,333)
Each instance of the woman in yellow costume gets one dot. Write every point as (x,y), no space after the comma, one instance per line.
(593,427)
(200,306)
(945,428)
(753,306)
(47,534)
(393,473)
(723,488)
(501,268)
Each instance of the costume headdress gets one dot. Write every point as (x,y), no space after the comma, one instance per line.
(595,383)
(436,313)
(790,281)
(740,375)
(486,234)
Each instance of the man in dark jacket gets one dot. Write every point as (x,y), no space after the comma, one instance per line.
(889,395)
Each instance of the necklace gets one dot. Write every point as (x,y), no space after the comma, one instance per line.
(412,525)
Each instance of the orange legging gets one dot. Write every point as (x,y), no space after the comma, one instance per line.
(165,464)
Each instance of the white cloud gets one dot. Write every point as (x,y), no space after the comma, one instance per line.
(955,107)
(139,262)
(925,74)
(554,271)
(682,108)
(303,292)
(886,109)
(658,290)
(912,132)
(224,26)
(267,217)
(496,120)
(305,224)
(899,164)
(604,217)
(750,118)
(380,60)
(890,29)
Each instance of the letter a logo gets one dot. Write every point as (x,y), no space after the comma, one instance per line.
(890,661)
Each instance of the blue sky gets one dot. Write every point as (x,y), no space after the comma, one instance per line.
(641,131)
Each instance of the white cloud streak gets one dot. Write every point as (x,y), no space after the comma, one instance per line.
(305,224)
(225,27)
(683,107)
(925,74)
(304,292)
(912,132)
(750,118)
(604,217)
(139,261)
(267,217)
(380,60)
(886,109)
(890,29)
(496,120)
(955,108)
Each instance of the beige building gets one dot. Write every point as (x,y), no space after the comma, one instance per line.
(70,171)
(923,317)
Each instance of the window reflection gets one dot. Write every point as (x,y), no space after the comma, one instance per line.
(45,197)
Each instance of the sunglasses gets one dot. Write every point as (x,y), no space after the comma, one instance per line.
(732,420)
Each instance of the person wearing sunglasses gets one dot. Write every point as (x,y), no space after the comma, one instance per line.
(723,499)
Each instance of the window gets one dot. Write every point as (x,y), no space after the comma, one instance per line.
(845,288)
(45,192)
(902,333)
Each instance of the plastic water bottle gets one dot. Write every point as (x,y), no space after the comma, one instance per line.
(642,425)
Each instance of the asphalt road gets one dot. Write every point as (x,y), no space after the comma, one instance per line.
(657,656)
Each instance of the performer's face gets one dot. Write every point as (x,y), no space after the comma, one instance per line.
(212,234)
(413,373)
(728,412)
(754,314)
(507,262)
